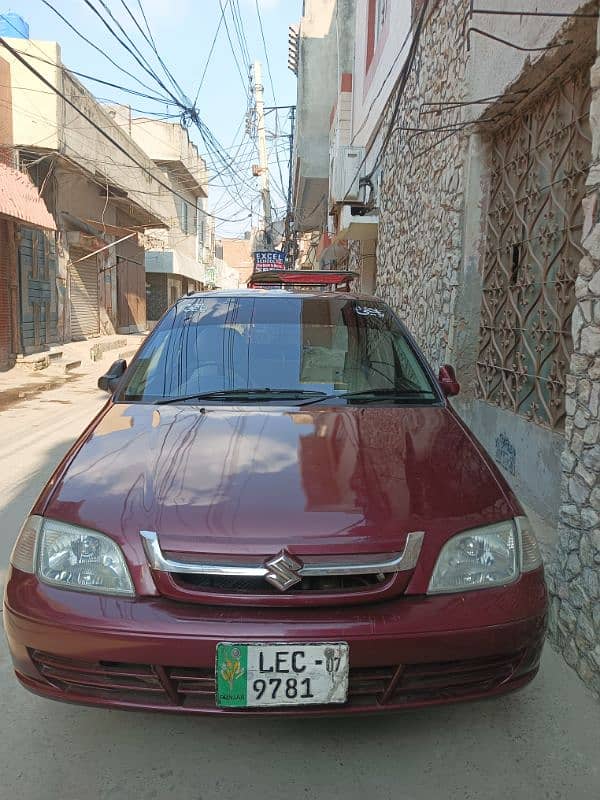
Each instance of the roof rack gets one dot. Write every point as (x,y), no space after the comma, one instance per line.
(297,280)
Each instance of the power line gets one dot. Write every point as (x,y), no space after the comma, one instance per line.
(93,160)
(235,58)
(106,100)
(221,162)
(214,145)
(149,38)
(236,13)
(34,71)
(123,89)
(135,53)
(210,52)
(45,60)
(399,89)
(262,34)
(279,167)
(187,110)
(95,46)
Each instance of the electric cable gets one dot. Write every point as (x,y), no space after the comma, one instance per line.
(149,39)
(133,52)
(210,52)
(117,145)
(95,46)
(262,34)
(235,58)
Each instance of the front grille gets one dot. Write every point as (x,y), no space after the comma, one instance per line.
(194,688)
(103,679)
(349,578)
(453,678)
(259,586)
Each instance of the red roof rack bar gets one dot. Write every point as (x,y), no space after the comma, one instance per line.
(288,278)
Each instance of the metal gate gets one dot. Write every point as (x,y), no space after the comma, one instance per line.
(37,278)
(539,164)
(85,311)
(131,294)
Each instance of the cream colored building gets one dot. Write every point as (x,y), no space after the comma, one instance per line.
(103,192)
(176,258)
(236,256)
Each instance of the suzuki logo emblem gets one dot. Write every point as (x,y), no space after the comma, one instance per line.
(283,571)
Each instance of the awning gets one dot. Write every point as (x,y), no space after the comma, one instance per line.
(114,230)
(97,228)
(75,223)
(20,199)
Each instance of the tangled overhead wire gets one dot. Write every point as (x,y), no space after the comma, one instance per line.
(158,83)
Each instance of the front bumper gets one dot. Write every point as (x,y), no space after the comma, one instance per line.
(153,653)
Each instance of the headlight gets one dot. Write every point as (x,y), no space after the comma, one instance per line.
(478,559)
(72,557)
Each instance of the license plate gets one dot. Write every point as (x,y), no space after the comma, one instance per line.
(251,675)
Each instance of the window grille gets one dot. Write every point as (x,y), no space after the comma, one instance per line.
(539,164)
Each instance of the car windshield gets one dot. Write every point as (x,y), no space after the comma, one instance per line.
(293,348)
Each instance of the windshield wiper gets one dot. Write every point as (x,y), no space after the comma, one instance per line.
(245,394)
(373,395)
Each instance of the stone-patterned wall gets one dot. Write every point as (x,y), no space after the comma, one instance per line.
(419,257)
(574,577)
(355,263)
(420,230)
(362,259)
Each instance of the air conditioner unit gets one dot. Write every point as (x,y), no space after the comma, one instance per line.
(347,170)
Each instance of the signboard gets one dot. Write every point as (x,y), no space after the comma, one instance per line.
(266,260)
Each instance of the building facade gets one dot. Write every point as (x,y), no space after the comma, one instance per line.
(177,257)
(479,185)
(27,261)
(102,194)
(382,37)
(27,250)
(236,255)
(324,68)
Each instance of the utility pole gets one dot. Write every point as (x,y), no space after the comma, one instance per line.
(290,249)
(262,151)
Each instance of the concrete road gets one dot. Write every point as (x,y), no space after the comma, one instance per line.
(540,744)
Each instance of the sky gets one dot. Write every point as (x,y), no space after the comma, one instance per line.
(183,31)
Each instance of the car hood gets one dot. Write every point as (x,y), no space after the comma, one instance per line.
(253,480)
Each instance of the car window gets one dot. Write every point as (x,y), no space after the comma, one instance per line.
(331,345)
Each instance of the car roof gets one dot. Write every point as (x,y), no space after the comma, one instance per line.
(280,293)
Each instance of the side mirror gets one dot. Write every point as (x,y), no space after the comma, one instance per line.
(447,378)
(109,381)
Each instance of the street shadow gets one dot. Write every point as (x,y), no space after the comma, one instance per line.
(13,395)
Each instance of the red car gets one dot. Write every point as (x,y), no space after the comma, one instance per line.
(276,511)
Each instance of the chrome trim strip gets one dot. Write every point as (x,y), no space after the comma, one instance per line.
(397,562)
